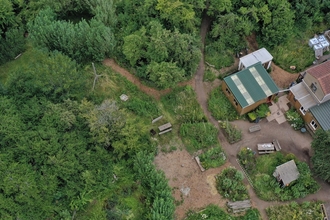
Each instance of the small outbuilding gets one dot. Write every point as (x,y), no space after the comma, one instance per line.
(262,55)
(286,173)
(249,88)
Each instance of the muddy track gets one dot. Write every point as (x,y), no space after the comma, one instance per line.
(146,89)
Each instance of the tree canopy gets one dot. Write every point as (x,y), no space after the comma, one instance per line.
(320,159)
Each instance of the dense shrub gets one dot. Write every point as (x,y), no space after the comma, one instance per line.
(213,157)
(294,119)
(304,211)
(157,191)
(11,45)
(247,159)
(230,184)
(84,41)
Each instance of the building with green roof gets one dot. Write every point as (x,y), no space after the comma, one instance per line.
(249,88)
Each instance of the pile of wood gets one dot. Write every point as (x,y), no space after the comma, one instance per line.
(239,206)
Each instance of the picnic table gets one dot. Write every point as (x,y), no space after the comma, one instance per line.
(165,126)
(266,148)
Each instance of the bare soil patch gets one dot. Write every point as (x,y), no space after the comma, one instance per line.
(281,77)
(184,175)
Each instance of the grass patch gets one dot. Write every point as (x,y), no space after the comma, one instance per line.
(213,157)
(220,107)
(219,58)
(198,136)
(209,75)
(230,184)
(304,211)
(214,212)
(296,52)
(183,105)
(266,186)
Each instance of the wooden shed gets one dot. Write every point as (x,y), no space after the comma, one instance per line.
(286,173)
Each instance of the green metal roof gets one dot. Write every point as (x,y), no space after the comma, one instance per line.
(251,85)
(322,114)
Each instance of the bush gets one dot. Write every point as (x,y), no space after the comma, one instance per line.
(263,111)
(12,44)
(230,184)
(155,186)
(294,119)
(198,135)
(220,106)
(247,159)
(213,157)
(232,133)
(293,210)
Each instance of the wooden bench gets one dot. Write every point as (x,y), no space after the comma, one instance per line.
(199,163)
(254,128)
(265,152)
(277,145)
(156,119)
(165,131)
(164,126)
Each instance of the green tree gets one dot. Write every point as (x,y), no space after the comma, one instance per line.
(164,74)
(104,121)
(281,25)
(53,76)
(321,145)
(178,13)
(81,41)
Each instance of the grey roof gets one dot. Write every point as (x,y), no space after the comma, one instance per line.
(287,172)
(321,113)
(303,96)
(261,55)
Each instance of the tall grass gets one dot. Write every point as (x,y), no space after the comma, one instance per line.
(198,135)
(220,106)
(183,105)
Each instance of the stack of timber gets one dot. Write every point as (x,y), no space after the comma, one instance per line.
(239,206)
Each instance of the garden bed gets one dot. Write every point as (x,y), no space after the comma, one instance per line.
(230,184)
(213,157)
(215,212)
(304,211)
(261,168)
(232,133)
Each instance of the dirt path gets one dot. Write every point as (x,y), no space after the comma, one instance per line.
(202,100)
(146,89)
